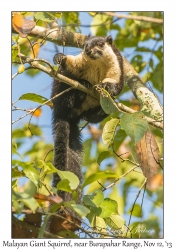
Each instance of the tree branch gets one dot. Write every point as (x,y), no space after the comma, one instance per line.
(139,18)
(75,84)
(28,211)
(146,98)
(58,36)
(23,224)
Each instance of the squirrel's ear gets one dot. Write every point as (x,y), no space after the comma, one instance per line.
(87,38)
(109,39)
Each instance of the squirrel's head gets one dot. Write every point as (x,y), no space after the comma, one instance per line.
(96,46)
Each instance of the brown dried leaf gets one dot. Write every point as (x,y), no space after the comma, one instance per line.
(22,25)
(147,152)
(53,199)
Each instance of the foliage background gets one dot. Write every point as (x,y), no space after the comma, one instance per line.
(142,44)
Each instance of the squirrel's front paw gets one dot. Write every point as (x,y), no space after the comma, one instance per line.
(59,58)
(99,87)
(113,89)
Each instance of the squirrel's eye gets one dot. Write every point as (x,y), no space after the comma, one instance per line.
(100,44)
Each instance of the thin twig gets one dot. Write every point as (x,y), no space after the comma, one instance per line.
(48,153)
(20,109)
(137,196)
(33,110)
(141,214)
(119,156)
(30,60)
(140,18)
(15,75)
(27,68)
(31,46)
(112,184)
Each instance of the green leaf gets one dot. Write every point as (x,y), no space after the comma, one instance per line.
(54,14)
(99,176)
(103,156)
(71,177)
(16,173)
(108,207)
(134,125)
(44,16)
(115,221)
(29,170)
(16,204)
(100,29)
(119,138)
(14,144)
(107,105)
(64,186)
(30,203)
(80,209)
(96,210)
(36,98)
(68,234)
(24,131)
(70,17)
(94,201)
(30,188)
(14,184)
(27,199)
(109,131)
(14,52)
(32,174)
(91,217)
(87,199)
(32,72)
(98,197)
(100,224)
(137,210)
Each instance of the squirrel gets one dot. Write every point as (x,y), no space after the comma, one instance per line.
(99,64)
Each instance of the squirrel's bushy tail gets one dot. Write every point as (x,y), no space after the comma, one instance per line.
(67,150)
(67,139)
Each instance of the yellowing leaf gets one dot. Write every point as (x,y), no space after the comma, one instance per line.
(109,131)
(21,69)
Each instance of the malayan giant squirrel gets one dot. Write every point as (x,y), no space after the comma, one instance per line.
(100,63)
